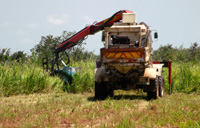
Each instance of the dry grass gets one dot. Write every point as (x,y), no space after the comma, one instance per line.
(126,109)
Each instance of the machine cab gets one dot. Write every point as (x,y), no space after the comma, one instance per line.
(127,41)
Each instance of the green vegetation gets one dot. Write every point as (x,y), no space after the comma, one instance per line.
(185,77)
(23,74)
(5,56)
(47,45)
(25,78)
(84,79)
(167,52)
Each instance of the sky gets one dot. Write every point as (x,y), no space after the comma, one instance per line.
(23,22)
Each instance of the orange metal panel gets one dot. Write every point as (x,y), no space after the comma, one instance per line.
(125,55)
(128,54)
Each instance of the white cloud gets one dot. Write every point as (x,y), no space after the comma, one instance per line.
(58,20)
(33,25)
(28,41)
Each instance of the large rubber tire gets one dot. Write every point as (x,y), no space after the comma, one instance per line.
(101,92)
(111,92)
(154,94)
(161,86)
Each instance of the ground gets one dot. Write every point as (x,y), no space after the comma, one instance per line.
(125,109)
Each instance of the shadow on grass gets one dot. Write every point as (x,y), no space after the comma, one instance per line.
(121,97)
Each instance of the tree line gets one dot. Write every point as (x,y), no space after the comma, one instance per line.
(46,49)
(181,54)
(47,45)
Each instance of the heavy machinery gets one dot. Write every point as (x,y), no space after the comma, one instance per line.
(126,60)
(67,72)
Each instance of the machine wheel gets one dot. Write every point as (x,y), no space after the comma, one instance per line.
(161,86)
(100,90)
(111,92)
(154,94)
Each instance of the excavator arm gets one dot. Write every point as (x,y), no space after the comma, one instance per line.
(92,29)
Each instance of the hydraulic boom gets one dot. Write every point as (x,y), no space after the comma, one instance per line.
(68,72)
(92,29)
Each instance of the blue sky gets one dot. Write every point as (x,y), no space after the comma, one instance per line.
(23,22)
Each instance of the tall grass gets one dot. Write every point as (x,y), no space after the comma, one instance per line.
(185,77)
(25,78)
(84,79)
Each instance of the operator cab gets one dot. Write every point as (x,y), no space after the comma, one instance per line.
(123,34)
(127,33)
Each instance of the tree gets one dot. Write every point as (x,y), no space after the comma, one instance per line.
(181,54)
(178,54)
(193,52)
(4,55)
(48,44)
(19,56)
(166,52)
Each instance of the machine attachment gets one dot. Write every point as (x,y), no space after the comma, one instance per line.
(54,67)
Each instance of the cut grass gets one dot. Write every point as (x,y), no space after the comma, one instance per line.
(126,109)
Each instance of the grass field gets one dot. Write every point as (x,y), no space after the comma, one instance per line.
(126,109)
(30,97)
